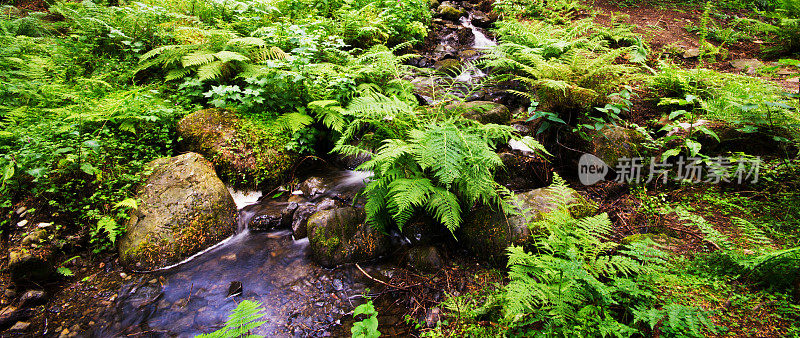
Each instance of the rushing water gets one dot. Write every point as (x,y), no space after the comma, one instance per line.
(299,297)
(481,41)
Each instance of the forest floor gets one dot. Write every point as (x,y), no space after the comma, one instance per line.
(76,306)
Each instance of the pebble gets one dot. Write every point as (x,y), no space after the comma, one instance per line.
(123,275)
(20,210)
(22,223)
(43,225)
(153,281)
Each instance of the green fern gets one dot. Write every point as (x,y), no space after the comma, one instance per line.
(243,319)
(574,282)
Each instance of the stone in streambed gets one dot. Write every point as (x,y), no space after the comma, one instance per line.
(339,236)
(184,209)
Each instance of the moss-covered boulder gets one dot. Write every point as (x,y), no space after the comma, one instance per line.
(488,232)
(449,12)
(183,208)
(245,152)
(482,111)
(615,142)
(339,236)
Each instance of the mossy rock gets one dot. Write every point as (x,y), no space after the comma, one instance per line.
(482,111)
(449,12)
(448,66)
(183,208)
(614,142)
(245,153)
(340,236)
(488,232)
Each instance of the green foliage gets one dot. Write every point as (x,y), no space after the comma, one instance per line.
(244,318)
(428,161)
(367,327)
(574,283)
(751,104)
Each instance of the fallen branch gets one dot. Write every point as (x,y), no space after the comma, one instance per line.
(378,280)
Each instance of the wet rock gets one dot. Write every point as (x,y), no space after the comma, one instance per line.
(242,155)
(480,19)
(339,236)
(271,216)
(184,209)
(313,186)
(448,66)
(468,54)
(32,298)
(449,12)
(482,111)
(22,223)
(27,266)
(488,232)
(615,142)
(523,171)
(465,36)
(301,216)
(424,259)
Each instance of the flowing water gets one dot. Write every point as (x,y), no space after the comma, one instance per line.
(299,297)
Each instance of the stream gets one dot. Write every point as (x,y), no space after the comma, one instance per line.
(299,297)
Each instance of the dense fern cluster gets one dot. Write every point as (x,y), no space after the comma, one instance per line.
(573,282)
(431,160)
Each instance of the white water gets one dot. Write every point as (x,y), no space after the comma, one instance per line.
(481,41)
(244,198)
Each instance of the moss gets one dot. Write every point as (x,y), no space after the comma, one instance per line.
(246,152)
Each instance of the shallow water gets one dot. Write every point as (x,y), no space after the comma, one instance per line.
(299,297)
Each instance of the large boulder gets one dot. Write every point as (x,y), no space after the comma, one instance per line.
(184,208)
(488,232)
(339,236)
(482,111)
(243,152)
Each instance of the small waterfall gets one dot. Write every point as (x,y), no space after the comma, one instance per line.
(481,41)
